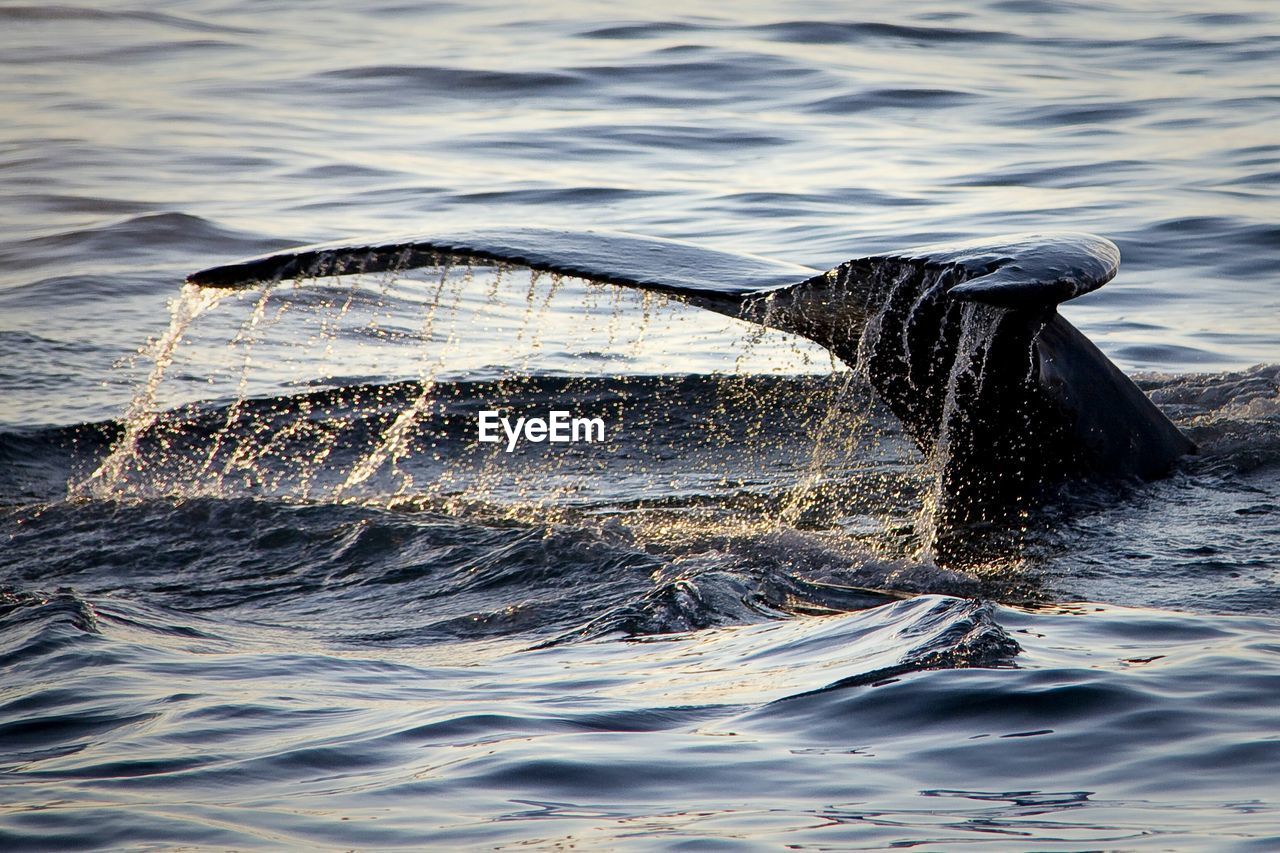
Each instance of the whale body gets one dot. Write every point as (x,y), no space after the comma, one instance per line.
(962,341)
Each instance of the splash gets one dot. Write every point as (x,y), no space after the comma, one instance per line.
(365,390)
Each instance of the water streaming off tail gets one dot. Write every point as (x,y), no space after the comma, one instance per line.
(368,389)
(965,378)
(142,415)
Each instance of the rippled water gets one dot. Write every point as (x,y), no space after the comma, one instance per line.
(246,601)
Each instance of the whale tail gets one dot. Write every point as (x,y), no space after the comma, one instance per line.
(962,341)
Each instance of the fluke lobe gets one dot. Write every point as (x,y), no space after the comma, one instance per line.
(962,342)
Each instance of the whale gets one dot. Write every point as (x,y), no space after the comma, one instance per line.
(961,341)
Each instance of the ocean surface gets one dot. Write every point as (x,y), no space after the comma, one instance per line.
(261,587)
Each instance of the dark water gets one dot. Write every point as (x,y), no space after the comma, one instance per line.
(260,586)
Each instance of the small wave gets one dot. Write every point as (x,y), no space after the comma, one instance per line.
(1221,231)
(63,13)
(106,55)
(127,240)
(557,196)
(1165,354)
(710,579)
(63,203)
(648,29)
(1088,115)
(711,79)
(66,608)
(446,82)
(879,99)
(828,32)
(1057,176)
